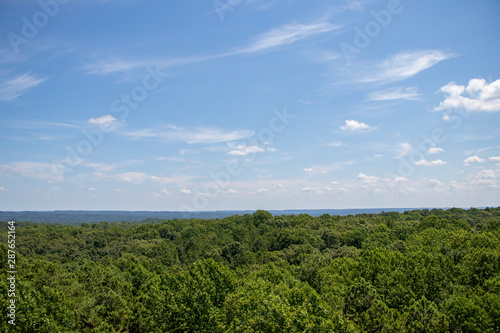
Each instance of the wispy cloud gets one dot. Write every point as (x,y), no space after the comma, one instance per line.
(410,93)
(128,177)
(324,169)
(101,167)
(221,7)
(132,177)
(179,179)
(481,96)
(286,34)
(15,87)
(196,135)
(113,65)
(404,65)
(334,144)
(44,171)
(38,124)
(272,39)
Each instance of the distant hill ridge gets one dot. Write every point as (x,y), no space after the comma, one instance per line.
(89,216)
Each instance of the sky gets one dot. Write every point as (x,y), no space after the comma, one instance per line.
(249,104)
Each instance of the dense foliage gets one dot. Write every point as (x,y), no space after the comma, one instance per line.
(418,271)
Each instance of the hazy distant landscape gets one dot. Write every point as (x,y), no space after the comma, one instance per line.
(77,217)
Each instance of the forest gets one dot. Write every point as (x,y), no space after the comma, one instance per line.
(418,271)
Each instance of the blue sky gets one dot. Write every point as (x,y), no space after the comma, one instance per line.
(249,104)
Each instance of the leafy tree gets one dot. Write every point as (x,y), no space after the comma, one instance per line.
(273,301)
(194,299)
(261,216)
(424,316)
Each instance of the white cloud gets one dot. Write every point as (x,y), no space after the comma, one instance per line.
(263,190)
(171,180)
(404,65)
(404,149)
(410,93)
(324,169)
(244,150)
(435,150)
(186,191)
(487,174)
(191,136)
(3,189)
(13,88)
(310,189)
(286,34)
(495,159)
(355,126)
(104,120)
(434,183)
(473,159)
(429,163)
(481,96)
(367,179)
(131,177)
(163,193)
(484,178)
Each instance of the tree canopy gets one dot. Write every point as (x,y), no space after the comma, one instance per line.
(419,271)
